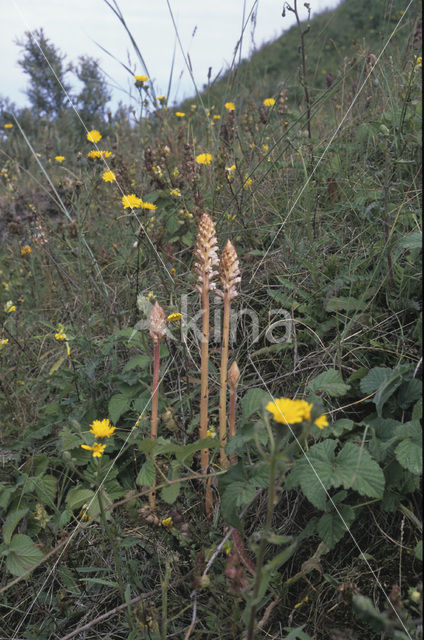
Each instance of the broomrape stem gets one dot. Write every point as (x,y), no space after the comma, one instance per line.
(233,380)
(157,331)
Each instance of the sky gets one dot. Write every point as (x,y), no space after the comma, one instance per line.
(208,32)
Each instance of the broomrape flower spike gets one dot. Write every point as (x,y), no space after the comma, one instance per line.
(97,449)
(102,428)
(94,136)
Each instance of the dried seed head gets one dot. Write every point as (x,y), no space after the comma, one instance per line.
(229,271)
(206,252)
(157,322)
(233,376)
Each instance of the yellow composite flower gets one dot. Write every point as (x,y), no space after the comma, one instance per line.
(287,411)
(3,342)
(216,116)
(59,158)
(174,317)
(109,176)
(9,307)
(94,136)
(162,99)
(175,192)
(168,523)
(26,250)
(8,125)
(97,449)
(204,158)
(148,205)
(99,154)
(60,336)
(132,201)
(230,106)
(247,183)
(141,78)
(102,428)
(180,114)
(269,102)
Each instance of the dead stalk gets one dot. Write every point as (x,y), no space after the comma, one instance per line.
(206,254)
(229,274)
(157,331)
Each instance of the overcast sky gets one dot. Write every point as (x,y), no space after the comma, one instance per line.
(208,31)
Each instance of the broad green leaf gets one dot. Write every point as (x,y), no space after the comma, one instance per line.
(46,489)
(296,634)
(137,361)
(314,472)
(259,475)
(331,527)
(418,551)
(170,493)
(236,495)
(374,379)
(386,390)
(146,475)
(11,522)
(118,404)
(69,440)
(330,382)
(356,469)
(413,240)
(184,454)
(22,555)
(344,304)
(252,401)
(409,393)
(77,496)
(410,455)
(339,426)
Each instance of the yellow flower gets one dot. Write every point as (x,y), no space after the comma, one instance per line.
(265,148)
(216,116)
(173,272)
(321,422)
(141,78)
(26,250)
(174,317)
(269,102)
(59,158)
(175,192)
(109,176)
(97,449)
(148,205)
(9,125)
(60,336)
(5,285)
(230,106)
(247,183)
(204,158)
(99,154)
(131,201)
(3,342)
(102,428)
(94,136)
(286,411)
(168,523)
(180,114)
(162,99)
(9,307)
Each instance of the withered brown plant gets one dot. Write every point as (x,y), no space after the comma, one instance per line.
(157,326)
(229,275)
(233,380)
(207,259)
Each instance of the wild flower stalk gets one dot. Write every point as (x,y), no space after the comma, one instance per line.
(206,254)
(157,331)
(229,275)
(233,380)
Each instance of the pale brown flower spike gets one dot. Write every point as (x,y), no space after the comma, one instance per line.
(229,275)
(206,254)
(157,328)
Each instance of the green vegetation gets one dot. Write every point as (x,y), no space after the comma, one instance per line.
(126,513)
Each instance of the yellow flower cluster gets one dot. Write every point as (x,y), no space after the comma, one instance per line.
(133,202)
(204,158)
(174,317)
(8,125)
(230,106)
(180,114)
(99,154)
(59,159)
(269,102)
(94,136)
(26,250)
(289,411)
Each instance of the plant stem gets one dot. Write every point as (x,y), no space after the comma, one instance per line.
(204,389)
(155,398)
(223,388)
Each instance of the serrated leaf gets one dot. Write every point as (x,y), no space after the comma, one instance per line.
(252,401)
(77,496)
(259,475)
(356,469)
(331,527)
(409,392)
(410,455)
(319,463)
(69,440)
(11,522)
(22,555)
(374,379)
(137,361)
(146,475)
(330,382)
(235,496)
(170,493)
(339,426)
(118,404)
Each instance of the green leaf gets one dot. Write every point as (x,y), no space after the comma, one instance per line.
(170,493)
(330,382)
(339,426)
(184,454)
(344,304)
(374,379)
(308,473)
(236,495)
(46,489)
(252,401)
(137,361)
(69,440)
(118,404)
(418,551)
(22,555)
(356,469)
(77,496)
(409,392)
(410,455)
(413,240)
(330,526)
(146,475)
(106,583)
(11,522)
